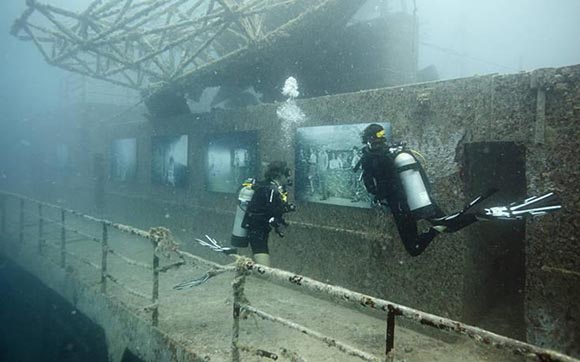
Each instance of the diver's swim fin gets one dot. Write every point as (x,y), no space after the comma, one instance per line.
(532,206)
(215,246)
(193,282)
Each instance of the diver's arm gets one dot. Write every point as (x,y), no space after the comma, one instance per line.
(277,208)
(370,183)
(368,178)
(274,202)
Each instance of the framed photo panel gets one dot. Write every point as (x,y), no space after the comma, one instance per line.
(123,159)
(325,159)
(169,160)
(231,158)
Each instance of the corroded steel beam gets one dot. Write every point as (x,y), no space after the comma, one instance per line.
(155,45)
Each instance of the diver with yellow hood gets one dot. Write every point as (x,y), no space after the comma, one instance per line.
(395,177)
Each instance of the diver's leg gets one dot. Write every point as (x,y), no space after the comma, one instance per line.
(437,211)
(456,223)
(533,206)
(262,258)
(259,244)
(407,226)
(461,219)
(240,245)
(244,252)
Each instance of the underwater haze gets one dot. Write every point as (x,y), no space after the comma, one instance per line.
(250,180)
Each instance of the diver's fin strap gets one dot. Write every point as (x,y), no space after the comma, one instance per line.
(214,245)
(532,206)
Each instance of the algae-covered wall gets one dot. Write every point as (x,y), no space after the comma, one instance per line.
(552,248)
(535,113)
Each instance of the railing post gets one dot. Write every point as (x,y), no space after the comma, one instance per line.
(62,240)
(390,352)
(155,293)
(238,290)
(40,229)
(21,226)
(104,255)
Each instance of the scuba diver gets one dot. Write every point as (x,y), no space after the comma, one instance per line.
(261,209)
(394,176)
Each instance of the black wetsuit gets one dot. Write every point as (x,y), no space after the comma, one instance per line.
(267,204)
(381,179)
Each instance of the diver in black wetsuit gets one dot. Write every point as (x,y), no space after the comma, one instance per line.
(396,179)
(268,204)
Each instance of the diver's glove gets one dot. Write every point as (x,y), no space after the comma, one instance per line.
(279,226)
(290,207)
(384,204)
(533,206)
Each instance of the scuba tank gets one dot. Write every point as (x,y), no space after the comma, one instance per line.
(239,233)
(414,185)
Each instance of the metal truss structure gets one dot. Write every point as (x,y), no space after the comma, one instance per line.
(150,44)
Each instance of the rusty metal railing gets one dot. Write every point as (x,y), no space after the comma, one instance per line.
(64,229)
(245,267)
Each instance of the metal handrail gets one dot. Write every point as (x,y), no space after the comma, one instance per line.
(245,267)
(67,228)
(88,237)
(393,310)
(121,227)
(105,276)
(331,342)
